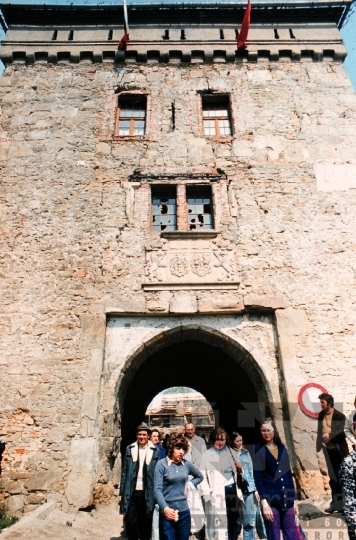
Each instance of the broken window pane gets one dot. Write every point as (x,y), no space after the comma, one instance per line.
(164,208)
(199,207)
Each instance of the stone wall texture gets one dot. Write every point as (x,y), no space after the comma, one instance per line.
(74,236)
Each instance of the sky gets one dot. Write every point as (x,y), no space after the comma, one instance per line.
(348,31)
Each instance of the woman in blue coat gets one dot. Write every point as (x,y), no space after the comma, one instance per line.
(274,482)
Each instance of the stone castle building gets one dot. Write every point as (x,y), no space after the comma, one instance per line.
(179,213)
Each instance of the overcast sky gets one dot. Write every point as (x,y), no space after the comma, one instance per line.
(348,31)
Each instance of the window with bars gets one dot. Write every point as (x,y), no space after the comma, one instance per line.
(131,115)
(216,115)
(164,208)
(199,205)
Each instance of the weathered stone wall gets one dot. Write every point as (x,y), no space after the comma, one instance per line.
(73,244)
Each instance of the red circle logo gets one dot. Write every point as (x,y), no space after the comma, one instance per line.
(308,399)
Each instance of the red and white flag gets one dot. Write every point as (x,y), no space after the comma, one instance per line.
(242,37)
(125,38)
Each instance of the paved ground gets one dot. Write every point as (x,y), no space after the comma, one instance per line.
(48,522)
(105,523)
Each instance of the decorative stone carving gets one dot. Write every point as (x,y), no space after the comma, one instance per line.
(179,266)
(155,262)
(201,264)
(190,263)
(225,263)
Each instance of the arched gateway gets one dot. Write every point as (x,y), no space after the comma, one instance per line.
(232,361)
(224,373)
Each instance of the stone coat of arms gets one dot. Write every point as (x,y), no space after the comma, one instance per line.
(201,264)
(179,266)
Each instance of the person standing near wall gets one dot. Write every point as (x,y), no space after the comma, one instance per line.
(197,445)
(137,485)
(332,440)
(274,482)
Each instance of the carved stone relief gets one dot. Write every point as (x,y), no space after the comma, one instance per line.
(190,263)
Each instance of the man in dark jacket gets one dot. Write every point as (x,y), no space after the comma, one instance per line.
(136,487)
(331,439)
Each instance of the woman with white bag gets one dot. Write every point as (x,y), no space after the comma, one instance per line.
(170,489)
(223,498)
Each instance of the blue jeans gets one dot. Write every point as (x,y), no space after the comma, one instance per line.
(175,530)
(249,524)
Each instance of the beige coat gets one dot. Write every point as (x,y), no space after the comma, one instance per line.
(213,491)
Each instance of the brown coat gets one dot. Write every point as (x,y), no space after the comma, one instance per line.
(337,434)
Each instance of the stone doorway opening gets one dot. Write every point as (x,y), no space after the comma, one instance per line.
(227,377)
(173,408)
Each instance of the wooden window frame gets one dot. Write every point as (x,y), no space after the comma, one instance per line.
(129,96)
(218,98)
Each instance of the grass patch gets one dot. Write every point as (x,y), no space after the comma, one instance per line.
(5,520)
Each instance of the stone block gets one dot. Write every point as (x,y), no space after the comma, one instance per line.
(292,322)
(335,176)
(90,406)
(93,331)
(82,458)
(264,301)
(183,302)
(215,301)
(91,383)
(56,435)
(158,302)
(44,480)
(15,504)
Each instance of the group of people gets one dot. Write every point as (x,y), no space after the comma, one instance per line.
(231,482)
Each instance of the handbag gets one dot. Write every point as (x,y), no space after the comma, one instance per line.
(260,523)
(240,480)
(197,515)
(301,533)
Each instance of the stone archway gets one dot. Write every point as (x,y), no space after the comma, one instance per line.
(203,358)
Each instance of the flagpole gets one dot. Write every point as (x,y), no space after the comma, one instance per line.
(125,38)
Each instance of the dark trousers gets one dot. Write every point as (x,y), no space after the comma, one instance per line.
(138,525)
(175,530)
(333,460)
(231,510)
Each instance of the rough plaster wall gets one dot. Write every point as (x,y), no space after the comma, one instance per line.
(70,247)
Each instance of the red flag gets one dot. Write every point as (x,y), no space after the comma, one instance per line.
(125,38)
(242,37)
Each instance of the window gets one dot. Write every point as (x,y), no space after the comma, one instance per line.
(216,116)
(164,208)
(131,115)
(195,201)
(199,204)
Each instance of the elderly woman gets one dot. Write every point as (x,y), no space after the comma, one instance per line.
(244,465)
(170,486)
(221,495)
(274,482)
